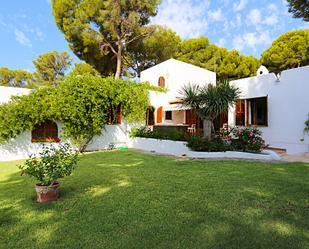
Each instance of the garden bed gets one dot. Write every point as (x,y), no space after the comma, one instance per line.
(179,148)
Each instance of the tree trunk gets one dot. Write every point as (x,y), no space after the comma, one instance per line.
(119,60)
(207,127)
(84,144)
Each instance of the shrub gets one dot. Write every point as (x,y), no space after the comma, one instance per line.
(166,135)
(198,143)
(307,125)
(52,164)
(247,139)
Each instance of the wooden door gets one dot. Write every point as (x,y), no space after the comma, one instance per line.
(191,117)
(159,115)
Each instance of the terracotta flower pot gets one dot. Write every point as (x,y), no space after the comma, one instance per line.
(47,193)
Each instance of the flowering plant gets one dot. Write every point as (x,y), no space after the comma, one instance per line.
(51,164)
(247,139)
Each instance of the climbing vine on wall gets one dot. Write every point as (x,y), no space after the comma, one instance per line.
(81,103)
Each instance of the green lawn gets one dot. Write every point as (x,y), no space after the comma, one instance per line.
(132,200)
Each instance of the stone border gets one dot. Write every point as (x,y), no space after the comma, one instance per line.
(179,148)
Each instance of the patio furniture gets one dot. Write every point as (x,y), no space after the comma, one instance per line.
(192,128)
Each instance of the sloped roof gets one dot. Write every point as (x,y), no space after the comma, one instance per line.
(173,61)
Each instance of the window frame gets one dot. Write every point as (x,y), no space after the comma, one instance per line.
(171,115)
(46,132)
(246,113)
(115,115)
(161,82)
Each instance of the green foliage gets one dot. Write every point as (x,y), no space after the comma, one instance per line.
(51,164)
(299,8)
(50,68)
(290,50)
(160,44)
(81,103)
(227,64)
(15,78)
(101,31)
(24,112)
(168,135)
(198,143)
(83,69)
(247,139)
(307,125)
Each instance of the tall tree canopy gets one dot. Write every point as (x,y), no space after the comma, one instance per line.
(299,8)
(83,69)
(101,31)
(15,78)
(290,50)
(159,45)
(227,64)
(51,67)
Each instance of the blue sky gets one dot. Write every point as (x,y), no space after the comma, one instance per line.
(28,29)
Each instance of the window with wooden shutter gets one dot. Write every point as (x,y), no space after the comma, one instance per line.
(45,132)
(115,115)
(240,112)
(159,114)
(257,111)
(161,82)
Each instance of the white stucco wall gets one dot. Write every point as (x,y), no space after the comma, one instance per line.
(288,107)
(178,148)
(176,74)
(178,117)
(7,92)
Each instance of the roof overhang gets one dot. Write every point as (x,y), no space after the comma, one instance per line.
(176,107)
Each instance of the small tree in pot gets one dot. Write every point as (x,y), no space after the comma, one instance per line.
(52,164)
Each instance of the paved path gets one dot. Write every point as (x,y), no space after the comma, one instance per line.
(304,158)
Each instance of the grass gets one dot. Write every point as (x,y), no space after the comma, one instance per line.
(133,200)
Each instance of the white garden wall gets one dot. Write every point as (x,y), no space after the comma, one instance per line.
(288,107)
(22,147)
(178,148)
(7,92)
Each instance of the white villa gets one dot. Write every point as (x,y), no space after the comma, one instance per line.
(166,109)
(278,105)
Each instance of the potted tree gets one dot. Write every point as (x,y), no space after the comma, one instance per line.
(51,164)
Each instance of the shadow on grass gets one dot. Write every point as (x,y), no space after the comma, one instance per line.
(131,200)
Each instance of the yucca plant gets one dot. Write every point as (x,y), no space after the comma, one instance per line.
(209,101)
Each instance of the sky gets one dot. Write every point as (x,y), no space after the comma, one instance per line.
(27,28)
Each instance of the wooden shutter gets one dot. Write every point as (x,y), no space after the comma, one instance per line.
(159,114)
(119,114)
(161,82)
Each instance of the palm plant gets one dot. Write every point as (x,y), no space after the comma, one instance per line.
(209,101)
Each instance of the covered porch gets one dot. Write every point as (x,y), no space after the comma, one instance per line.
(177,117)
(174,117)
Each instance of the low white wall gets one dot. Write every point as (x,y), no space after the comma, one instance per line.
(21,147)
(288,107)
(111,134)
(177,148)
